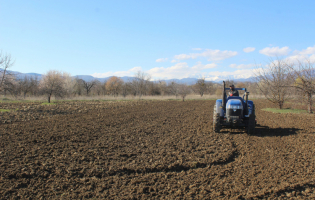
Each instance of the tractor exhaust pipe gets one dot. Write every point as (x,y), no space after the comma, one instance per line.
(223,97)
(246,97)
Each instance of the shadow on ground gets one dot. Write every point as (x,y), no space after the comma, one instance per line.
(265,131)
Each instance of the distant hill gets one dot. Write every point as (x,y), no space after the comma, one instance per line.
(188,81)
(23,75)
(89,78)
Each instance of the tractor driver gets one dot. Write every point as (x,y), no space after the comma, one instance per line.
(233,92)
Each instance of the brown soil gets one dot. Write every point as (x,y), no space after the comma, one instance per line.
(150,150)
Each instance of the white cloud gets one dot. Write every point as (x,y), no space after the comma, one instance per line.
(182,57)
(249,49)
(200,66)
(242,66)
(308,50)
(179,70)
(161,60)
(295,58)
(173,61)
(312,58)
(182,70)
(196,49)
(241,73)
(275,51)
(209,66)
(135,69)
(211,55)
(129,72)
(305,54)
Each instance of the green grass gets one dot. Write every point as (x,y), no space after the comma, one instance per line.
(46,103)
(299,103)
(6,99)
(8,110)
(4,110)
(285,110)
(17,101)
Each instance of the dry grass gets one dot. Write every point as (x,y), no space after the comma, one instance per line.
(285,110)
(119,98)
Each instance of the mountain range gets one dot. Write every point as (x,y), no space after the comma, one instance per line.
(188,81)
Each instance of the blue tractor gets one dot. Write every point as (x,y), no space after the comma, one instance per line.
(234,112)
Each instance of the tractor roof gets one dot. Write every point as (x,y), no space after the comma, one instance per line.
(236,89)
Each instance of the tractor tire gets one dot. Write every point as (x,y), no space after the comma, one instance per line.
(251,123)
(216,121)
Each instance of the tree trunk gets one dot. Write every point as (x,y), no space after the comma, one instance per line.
(280,104)
(48,98)
(309,103)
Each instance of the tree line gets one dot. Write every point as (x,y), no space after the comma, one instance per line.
(279,81)
(62,85)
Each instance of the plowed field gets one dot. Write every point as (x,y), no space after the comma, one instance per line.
(151,150)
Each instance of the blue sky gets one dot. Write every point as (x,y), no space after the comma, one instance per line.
(167,39)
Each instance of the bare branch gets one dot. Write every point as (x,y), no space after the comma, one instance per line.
(53,83)
(273,80)
(5,64)
(303,77)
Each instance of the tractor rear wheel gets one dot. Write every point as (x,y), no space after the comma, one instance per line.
(216,121)
(251,122)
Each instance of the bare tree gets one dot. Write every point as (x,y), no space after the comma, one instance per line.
(125,89)
(201,86)
(140,83)
(34,90)
(69,84)
(174,88)
(78,86)
(15,86)
(251,87)
(53,83)
(5,64)
(27,84)
(303,77)
(88,85)
(273,82)
(153,89)
(162,87)
(210,87)
(217,88)
(104,91)
(114,85)
(183,90)
(12,86)
(98,88)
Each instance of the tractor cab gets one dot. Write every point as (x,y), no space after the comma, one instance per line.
(232,101)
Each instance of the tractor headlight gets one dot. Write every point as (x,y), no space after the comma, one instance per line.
(234,107)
